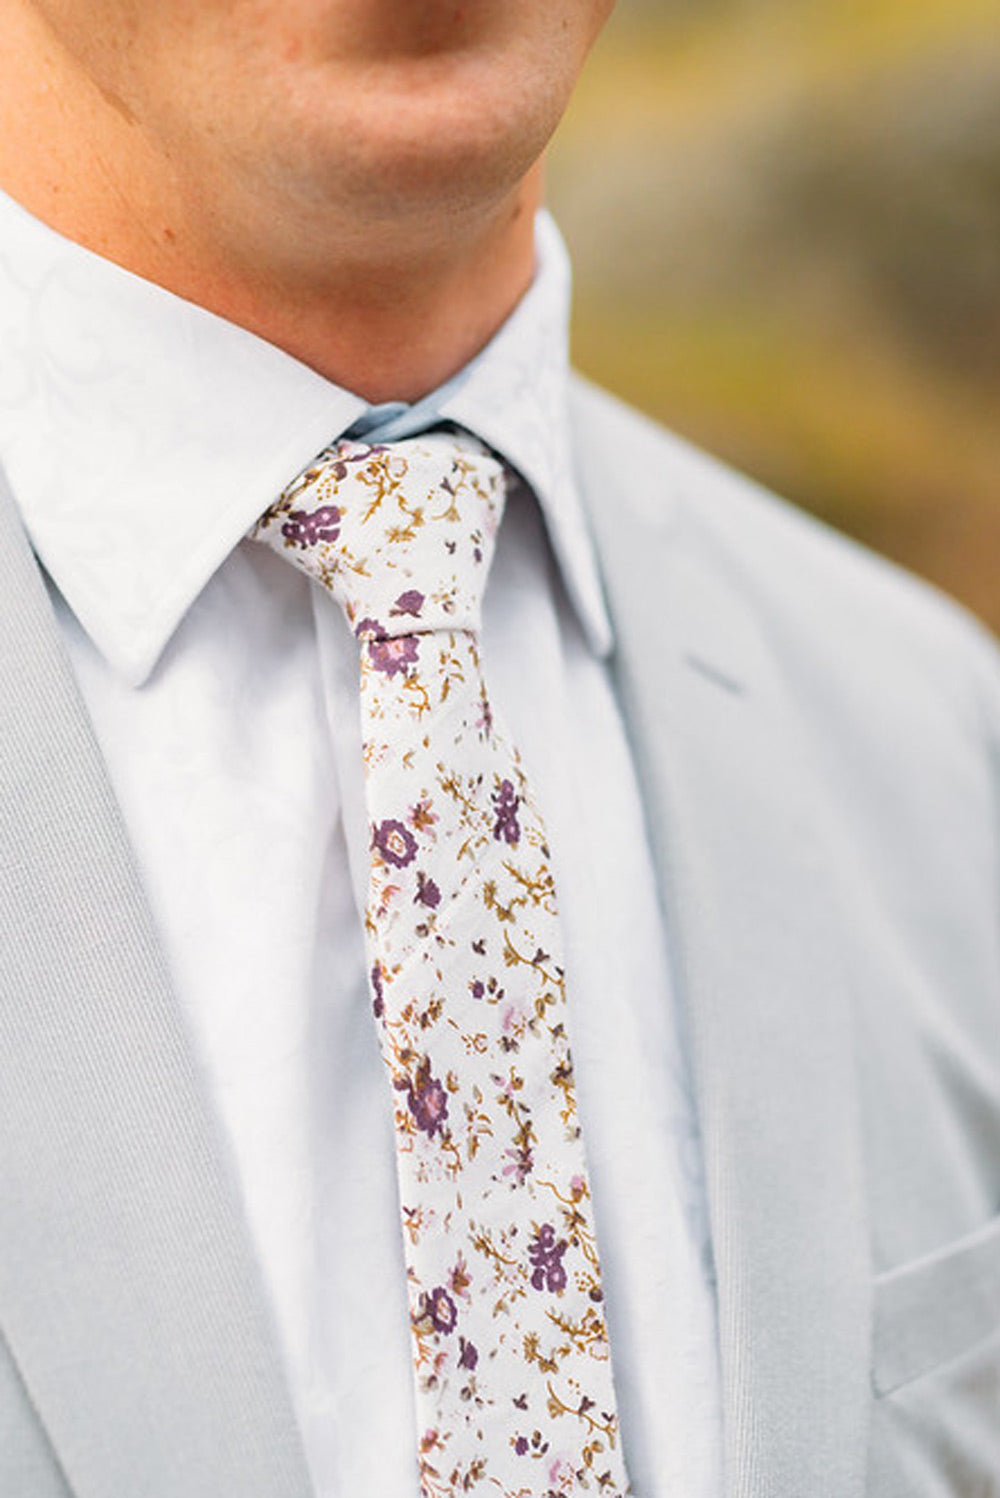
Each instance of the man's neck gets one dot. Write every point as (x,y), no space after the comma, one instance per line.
(386,328)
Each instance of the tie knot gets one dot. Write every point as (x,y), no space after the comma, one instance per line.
(401,534)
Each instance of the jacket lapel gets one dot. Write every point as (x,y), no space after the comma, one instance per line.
(128,1294)
(751,912)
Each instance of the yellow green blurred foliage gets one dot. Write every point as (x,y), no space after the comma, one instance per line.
(784,217)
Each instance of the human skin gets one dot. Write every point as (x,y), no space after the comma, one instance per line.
(353,180)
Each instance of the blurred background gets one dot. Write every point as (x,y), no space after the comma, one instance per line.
(784,217)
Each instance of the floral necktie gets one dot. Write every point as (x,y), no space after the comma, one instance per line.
(512,1370)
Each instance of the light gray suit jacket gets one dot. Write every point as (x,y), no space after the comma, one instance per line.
(818,738)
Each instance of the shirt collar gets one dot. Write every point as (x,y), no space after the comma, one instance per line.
(143,435)
(515,395)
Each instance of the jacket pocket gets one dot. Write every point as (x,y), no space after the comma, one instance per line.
(935,1308)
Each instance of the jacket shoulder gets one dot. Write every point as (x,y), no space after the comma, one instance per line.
(806,582)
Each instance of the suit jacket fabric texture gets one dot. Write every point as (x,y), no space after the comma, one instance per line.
(818,739)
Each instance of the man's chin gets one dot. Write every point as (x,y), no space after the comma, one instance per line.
(404,156)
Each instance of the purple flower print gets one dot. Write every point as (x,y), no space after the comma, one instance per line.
(410,602)
(521,1445)
(427,1100)
(307,529)
(560,1475)
(505,804)
(423,816)
(395,842)
(354,454)
(522,1163)
(427,891)
(378,992)
(468,1357)
(393,657)
(440,1307)
(547,1255)
(512,1019)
